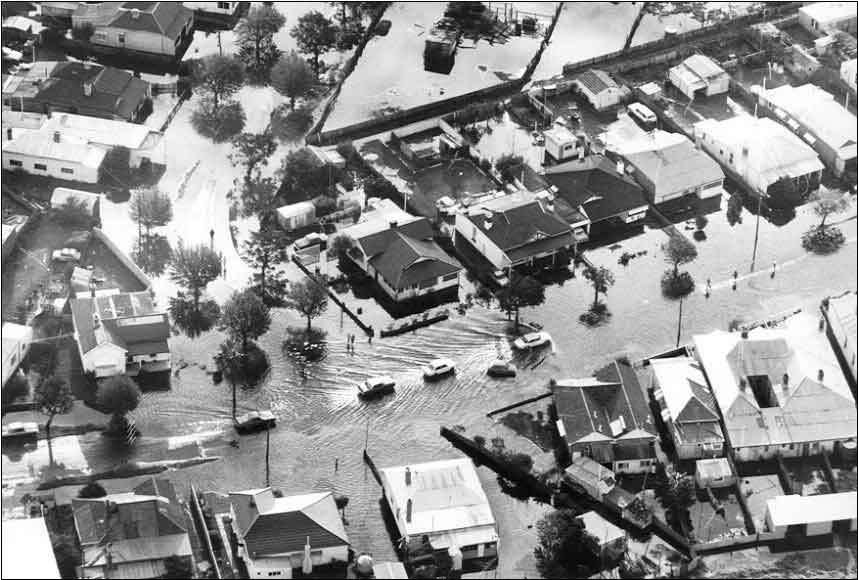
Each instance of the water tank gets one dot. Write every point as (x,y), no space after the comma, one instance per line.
(363,565)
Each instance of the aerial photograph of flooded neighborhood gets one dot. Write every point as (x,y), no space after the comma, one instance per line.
(427,290)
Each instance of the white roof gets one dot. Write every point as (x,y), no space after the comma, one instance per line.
(447,500)
(715,468)
(674,376)
(787,510)
(559,134)
(100,131)
(701,66)
(296,209)
(16,331)
(41,144)
(773,150)
(604,531)
(626,138)
(817,110)
(377,219)
(23,24)
(825,12)
(23,120)
(27,551)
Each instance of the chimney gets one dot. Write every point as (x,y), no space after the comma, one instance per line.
(822,324)
(786,381)
(9,133)
(95,320)
(820,375)
(744,334)
(743,384)
(621,167)
(393,224)
(87,89)
(56,136)
(487,223)
(408,507)
(407,476)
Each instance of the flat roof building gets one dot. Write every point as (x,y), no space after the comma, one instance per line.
(27,550)
(812,515)
(821,17)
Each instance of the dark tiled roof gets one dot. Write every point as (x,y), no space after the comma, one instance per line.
(167,18)
(127,519)
(595,184)
(158,486)
(375,244)
(596,81)
(114,92)
(522,225)
(288,532)
(407,261)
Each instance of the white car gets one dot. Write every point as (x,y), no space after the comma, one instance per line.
(438,368)
(309,240)
(532,340)
(66,255)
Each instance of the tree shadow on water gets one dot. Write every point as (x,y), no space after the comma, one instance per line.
(191,321)
(306,345)
(153,255)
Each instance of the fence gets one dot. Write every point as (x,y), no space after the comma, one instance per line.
(735,543)
(182,98)
(203,530)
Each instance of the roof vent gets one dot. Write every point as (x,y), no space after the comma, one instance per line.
(408,507)
(87,89)
(135,13)
(57,137)
(487,224)
(820,375)
(407,476)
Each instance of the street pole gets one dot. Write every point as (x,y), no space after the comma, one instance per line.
(679,323)
(757,230)
(267,454)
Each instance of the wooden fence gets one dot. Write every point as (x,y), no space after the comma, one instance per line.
(202,530)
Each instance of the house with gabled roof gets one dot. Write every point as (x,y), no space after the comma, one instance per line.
(688,407)
(606,417)
(518,230)
(132,534)
(163,29)
(780,391)
(121,333)
(699,76)
(405,261)
(274,533)
(598,88)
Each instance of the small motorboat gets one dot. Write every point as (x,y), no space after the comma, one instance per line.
(501,368)
(376,387)
(532,340)
(21,431)
(255,421)
(438,368)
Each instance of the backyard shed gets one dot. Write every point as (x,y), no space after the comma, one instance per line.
(604,538)
(296,215)
(715,472)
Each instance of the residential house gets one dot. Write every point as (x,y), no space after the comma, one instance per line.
(761,153)
(58,13)
(561,145)
(841,315)
(604,539)
(798,516)
(131,535)
(20,28)
(592,477)
(405,261)
(821,17)
(217,14)
(121,333)
(53,154)
(780,390)
(849,73)
(162,29)
(80,88)
(599,188)
(606,418)
(274,533)
(699,76)
(674,171)
(825,124)
(600,90)
(444,502)
(27,550)
(16,342)
(518,230)
(89,202)
(144,144)
(688,409)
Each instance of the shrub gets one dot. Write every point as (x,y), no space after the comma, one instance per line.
(676,285)
(822,239)
(92,490)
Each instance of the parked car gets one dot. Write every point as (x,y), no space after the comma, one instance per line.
(643,115)
(532,340)
(438,368)
(501,368)
(376,387)
(66,255)
(313,239)
(255,421)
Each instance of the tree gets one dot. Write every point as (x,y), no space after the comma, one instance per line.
(193,268)
(314,34)
(825,238)
(342,246)
(92,490)
(304,177)
(219,77)
(678,251)
(220,124)
(825,206)
(265,250)
(507,166)
(561,551)
(601,279)
(255,38)
(259,198)
(83,32)
(149,208)
(734,209)
(292,77)
(308,297)
(521,291)
(245,318)
(53,397)
(73,213)
(118,396)
(252,150)
(677,493)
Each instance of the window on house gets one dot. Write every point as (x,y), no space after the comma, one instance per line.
(452,276)
(622,465)
(40,166)
(67,170)
(15,163)
(121,38)
(223,5)
(792,446)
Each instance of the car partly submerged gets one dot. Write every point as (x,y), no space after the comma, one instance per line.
(255,421)
(438,368)
(375,387)
(501,368)
(532,340)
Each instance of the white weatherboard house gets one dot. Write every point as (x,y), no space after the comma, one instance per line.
(699,76)
(821,17)
(814,115)
(16,343)
(599,88)
(760,151)
(296,215)
(53,154)
(841,313)
(277,534)
(444,501)
(781,390)
(812,515)
(849,73)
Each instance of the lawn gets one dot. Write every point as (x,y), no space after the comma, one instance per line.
(457,178)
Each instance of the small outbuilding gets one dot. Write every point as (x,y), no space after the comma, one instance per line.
(699,76)
(89,201)
(812,515)
(296,215)
(605,539)
(599,88)
(715,472)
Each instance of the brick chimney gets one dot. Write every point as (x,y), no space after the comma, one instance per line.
(57,137)
(820,375)
(407,476)
(487,223)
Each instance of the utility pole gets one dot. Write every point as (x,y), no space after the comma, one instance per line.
(267,455)
(679,323)
(757,230)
